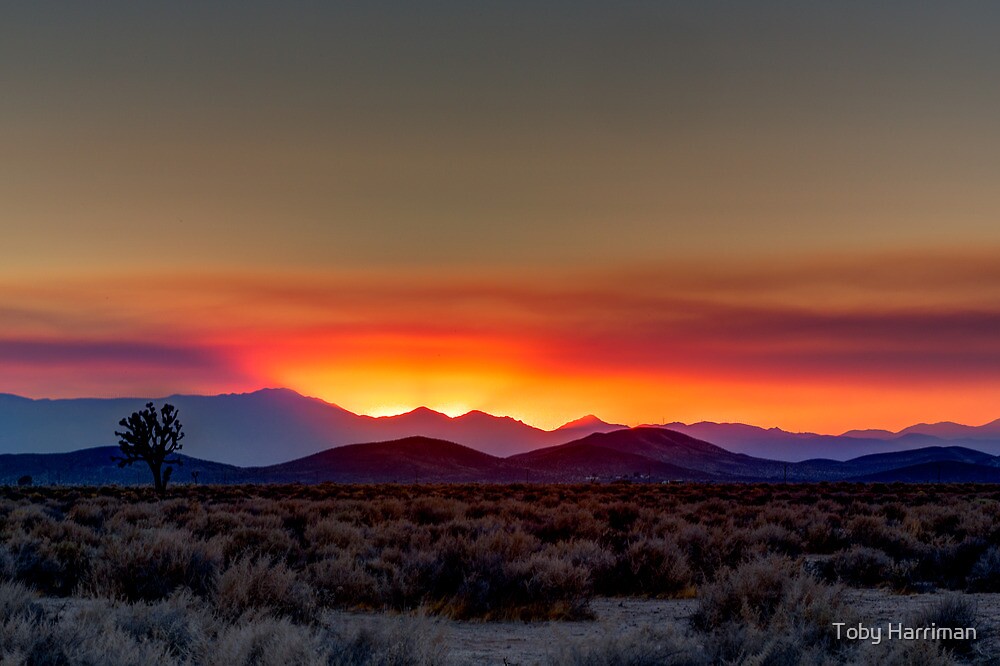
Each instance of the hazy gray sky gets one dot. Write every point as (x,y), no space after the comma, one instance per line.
(515,133)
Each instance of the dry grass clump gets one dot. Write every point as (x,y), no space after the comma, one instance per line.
(269,642)
(387,641)
(263,586)
(953,611)
(862,566)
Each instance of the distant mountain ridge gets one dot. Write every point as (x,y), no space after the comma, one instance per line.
(637,454)
(796,447)
(272,426)
(260,428)
(95,466)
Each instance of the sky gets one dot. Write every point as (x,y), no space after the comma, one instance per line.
(782,213)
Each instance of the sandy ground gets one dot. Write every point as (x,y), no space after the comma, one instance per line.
(528,644)
(523,644)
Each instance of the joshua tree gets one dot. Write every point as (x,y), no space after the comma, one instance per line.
(152,438)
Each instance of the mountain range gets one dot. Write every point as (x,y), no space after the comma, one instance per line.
(642,454)
(798,446)
(274,426)
(261,428)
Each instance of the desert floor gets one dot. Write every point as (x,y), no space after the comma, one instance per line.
(527,644)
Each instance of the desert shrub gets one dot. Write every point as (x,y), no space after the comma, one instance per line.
(944,521)
(407,578)
(985,574)
(654,567)
(7,567)
(388,509)
(295,517)
(330,535)
(183,630)
(597,560)
(903,578)
(862,566)
(775,538)
(26,517)
(260,541)
(620,516)
(85,636)
(139,514)
(393,534)
(712,511)
(513,578)
(343,580)
(771,610)
(177,511)
(214,522)
(266,641)
(553,588)
(953,610)
(729,545)
(386,642)
(565,523)
(943,562)
(16,600)
(737,643)
(863,527)
(87,513)
(696,542)
(432,511)
(655,522)
(822,535)
(180,624)
(526,551)
(958,560)
(151,564)
(260,586)
(50,565)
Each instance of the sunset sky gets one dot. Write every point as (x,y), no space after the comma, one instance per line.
(782,213)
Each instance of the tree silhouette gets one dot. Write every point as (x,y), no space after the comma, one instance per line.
(152,438)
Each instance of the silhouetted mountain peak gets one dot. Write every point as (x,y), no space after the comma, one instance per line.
(655,443)
(872,433)
(588,421)
(273,390)
(479,415)
(919,427)
(420,412)
(428,449)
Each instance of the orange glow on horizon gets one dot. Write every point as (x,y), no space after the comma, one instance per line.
(544,349)
(547,400)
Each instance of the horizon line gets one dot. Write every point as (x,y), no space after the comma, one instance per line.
(425,408)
